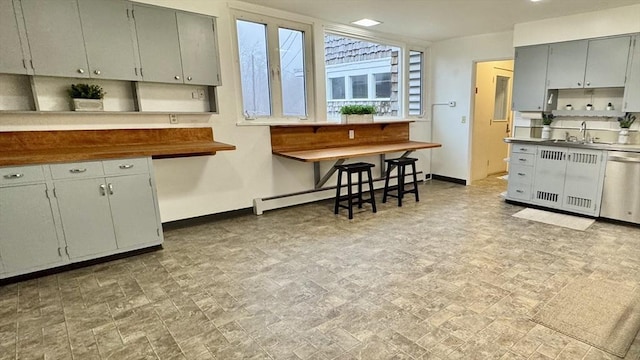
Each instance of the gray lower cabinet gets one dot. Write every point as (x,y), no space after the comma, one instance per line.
(530,76)
(12,59)
(63,213)
(569,179)
(55,38)
(158,43)
(632,88)
(109,39)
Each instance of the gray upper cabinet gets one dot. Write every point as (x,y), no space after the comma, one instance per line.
(198,49)
(607,62)
(632,88)
(12,59)
(567,62)
(157,33)
(55,38)
(108,38)
(530,78)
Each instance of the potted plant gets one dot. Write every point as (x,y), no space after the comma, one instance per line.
(87,97)
(547,119)
(357,113)
(625,123)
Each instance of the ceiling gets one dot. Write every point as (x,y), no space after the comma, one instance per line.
(434,20)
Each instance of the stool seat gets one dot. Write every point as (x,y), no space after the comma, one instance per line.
(351,198)
(401,164)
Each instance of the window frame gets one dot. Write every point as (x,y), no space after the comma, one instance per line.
(272,25)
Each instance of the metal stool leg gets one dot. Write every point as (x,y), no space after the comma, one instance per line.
(335,209)
(373,197)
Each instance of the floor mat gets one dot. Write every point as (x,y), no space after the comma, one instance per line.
(551,218)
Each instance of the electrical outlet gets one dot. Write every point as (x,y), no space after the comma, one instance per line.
(194,95)
(173,118)
(464,120)
(352,134)
(200,94)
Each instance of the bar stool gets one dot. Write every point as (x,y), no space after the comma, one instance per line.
(350,169)
(401,164)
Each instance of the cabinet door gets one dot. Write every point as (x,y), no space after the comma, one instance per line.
(607,62)
(55,38)
(632,87)
(86,217)
(567,62)
(583,181)
(108,39)
(11,58)
(198,49)
(28,237)
(530,76)
(549,174)
(133,210)
(158,44)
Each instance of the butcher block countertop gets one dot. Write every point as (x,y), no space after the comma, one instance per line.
(44,147)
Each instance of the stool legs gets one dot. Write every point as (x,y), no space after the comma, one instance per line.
(386,184)
(371,196)
(339,186)
(400,183)
(415,181)
(401,188)
(349,196)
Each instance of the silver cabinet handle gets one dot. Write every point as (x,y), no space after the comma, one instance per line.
(523,160)
(110,187)
(103,190)
(126,166)
(519,191)
(13,176)
(523,149)
(80,71)
(189,78)
(177,77)
(588,83)
(77,171)
(97,72)
(521,174)
(579,83)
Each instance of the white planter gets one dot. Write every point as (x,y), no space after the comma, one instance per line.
(357,119)
(546,132)
(88,105)
(623,136)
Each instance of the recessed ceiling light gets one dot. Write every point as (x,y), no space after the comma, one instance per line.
(535,0)
(366,22)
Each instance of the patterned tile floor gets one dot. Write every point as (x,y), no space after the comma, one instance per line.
(454,276)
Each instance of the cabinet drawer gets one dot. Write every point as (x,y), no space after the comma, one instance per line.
(523,148)
(519,191)
(126,166)
(77,170)
(21,174)
(520,174)
(521,159)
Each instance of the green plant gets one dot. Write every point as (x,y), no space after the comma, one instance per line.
(547,119)
(626,121)
(357,109)
(86,91)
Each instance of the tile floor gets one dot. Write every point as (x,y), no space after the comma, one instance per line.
(454,276)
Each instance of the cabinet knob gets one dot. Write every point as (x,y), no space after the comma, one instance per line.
(189,78)
(588,83)
(177,77)
(77,171)
(579,83)
(81,71)
(97,72)
(13,176)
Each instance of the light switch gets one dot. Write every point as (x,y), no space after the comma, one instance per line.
(352,134)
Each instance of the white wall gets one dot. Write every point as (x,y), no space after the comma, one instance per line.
(452,66)
(616,21)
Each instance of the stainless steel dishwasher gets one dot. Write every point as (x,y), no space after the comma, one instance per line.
(621,192)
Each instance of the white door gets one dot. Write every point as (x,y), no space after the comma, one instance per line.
(500,121)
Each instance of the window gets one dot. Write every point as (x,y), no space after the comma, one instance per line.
(383,85)
(336,86)
(415,82)
(274,81)
(372,72)
(359,87)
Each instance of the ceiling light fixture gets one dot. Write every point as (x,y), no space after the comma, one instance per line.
(366,22)
(535,0)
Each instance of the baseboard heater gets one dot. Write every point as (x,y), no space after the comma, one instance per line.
(260,205)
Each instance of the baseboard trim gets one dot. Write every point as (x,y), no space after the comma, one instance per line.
(449,179)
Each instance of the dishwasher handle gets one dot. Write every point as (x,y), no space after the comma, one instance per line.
(624,159)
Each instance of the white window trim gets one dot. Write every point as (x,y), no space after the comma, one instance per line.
(274,61)
(424,113)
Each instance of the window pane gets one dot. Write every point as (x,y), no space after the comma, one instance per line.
(254,68)
(501,98)
(292,73)
(383,85)
(415,82)
(337,88)
(359,87)
(371,71)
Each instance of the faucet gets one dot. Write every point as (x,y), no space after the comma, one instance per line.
(583,131)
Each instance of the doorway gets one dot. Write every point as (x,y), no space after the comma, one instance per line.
(492,118)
